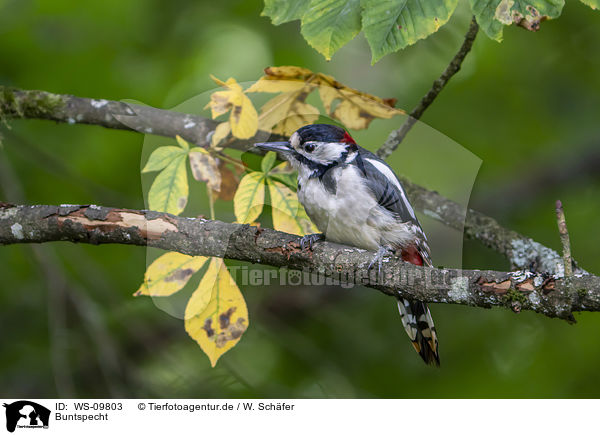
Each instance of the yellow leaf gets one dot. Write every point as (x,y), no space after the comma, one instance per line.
(303,114)
(307,226)
(182,142)
(328,95)
(169,273)
(283,168)
(169,190)
(221,132)
(266,84)
(288,214)
(216,315)
(203,293)
(205,168)
(220,103)
(243,119)
(249,198)
(355,109)
(287,112)
(199,150)
(275,109)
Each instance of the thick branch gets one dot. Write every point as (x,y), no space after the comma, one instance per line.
(549,295)
(397,136)
(22,104)
(16,103)
(522,252)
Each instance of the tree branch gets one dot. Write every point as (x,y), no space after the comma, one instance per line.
(521,251)
(397,136)
(542,293)
(26,104)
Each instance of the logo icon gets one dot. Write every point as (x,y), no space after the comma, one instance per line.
(26,414)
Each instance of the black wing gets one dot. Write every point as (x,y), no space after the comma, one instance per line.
(389,193)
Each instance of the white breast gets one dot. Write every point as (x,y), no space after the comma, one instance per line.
(351,216)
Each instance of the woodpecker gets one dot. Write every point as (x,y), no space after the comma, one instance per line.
(354,198)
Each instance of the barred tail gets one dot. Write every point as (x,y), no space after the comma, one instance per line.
(418,324)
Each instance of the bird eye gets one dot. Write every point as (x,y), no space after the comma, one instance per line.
(309,147)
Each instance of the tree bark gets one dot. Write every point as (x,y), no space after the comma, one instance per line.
(551,295)
(521,251)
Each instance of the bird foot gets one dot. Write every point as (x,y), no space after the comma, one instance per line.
(382,252)
(309,240)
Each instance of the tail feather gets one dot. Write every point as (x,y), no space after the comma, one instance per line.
(419,326)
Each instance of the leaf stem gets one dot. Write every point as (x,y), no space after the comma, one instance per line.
(231,160)
(211,201)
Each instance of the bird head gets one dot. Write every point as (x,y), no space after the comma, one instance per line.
(314,146)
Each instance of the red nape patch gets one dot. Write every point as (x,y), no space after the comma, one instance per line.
(347,138)
(411,255)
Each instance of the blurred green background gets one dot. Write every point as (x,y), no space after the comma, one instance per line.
(529,108)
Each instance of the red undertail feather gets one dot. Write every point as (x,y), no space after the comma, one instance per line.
(411,255)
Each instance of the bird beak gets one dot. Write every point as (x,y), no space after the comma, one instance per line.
(279,147)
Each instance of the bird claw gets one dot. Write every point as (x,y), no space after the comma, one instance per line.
(309,240)
(382,252)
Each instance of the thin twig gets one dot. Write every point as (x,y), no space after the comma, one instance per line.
(564,239)
(397,136)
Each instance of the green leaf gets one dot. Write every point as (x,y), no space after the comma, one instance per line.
(282,11)
(169,191)
(493,15)
(268,161)
(161,157)
(390,25)
(327,25)
(249,198)
(594,4)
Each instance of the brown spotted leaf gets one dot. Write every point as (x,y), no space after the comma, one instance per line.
(229,183)
(216,315)
(493,15)
(354,109)
(289,110)
(205,168)
(169,273)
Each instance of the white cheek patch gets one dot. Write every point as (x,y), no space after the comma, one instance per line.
(330,151)
(295,140)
